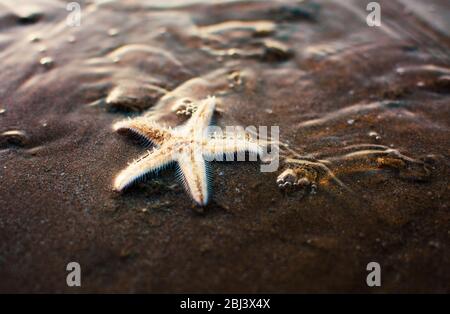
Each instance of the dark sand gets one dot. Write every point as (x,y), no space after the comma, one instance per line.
(313,68)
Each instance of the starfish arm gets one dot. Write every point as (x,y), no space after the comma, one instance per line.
(201,118)
(136,170)
(193,175)
(220,147)
(148,130)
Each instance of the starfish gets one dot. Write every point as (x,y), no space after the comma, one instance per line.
(188,145)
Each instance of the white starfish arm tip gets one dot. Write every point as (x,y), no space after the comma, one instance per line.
(193,174)
(121,181)
(200,200)
(117,126)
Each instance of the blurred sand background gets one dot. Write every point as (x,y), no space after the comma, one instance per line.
(336,87)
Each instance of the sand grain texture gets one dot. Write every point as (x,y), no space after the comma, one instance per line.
(314,68)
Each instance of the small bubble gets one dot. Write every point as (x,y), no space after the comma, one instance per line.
(184,106)
(434,244)
(34,38)
(400,70)
(113,32)
(235,77)
(46,61)
(233,52)
(375,135)
(276,51)
(14,137)
(2,111)
(34,151)
(350,121)
(42,49)
(71,39)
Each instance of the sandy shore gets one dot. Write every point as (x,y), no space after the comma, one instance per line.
(369,103)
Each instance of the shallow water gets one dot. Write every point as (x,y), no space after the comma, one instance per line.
(364,121)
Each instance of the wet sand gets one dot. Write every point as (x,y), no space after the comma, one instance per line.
(370,104)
